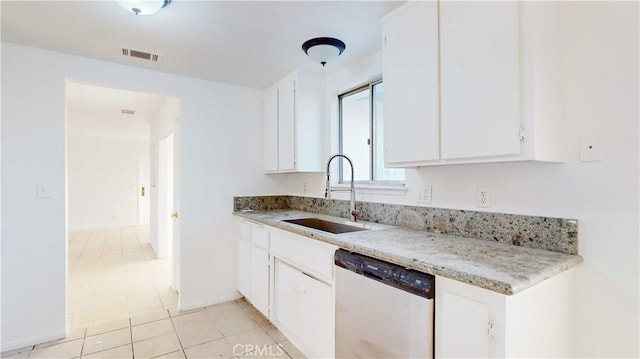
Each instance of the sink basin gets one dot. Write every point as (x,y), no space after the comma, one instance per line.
(327,226)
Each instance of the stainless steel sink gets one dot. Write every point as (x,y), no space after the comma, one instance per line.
(327,226)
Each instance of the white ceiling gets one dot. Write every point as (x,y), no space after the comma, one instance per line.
(247,43)
(98,109)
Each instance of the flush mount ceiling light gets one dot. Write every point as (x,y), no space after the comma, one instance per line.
(143,7)
(323,49)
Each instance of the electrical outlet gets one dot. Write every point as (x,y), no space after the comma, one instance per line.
(424,196)
(304,187)
(483,196)
(42,190)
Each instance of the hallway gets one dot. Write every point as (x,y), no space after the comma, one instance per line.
(121,305)
(114,273)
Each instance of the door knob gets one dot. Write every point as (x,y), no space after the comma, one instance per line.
(174,215)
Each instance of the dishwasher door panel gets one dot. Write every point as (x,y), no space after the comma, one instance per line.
(374,320)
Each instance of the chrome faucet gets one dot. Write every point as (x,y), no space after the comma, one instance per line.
(328,190)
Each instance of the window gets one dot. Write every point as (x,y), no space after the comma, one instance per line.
(361,136)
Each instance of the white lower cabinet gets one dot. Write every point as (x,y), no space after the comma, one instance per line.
(244,267)
(291,280)
(303,301)
(466,319)
(473,322)
(253,264)
(243,252)
(260,280)
(304,310)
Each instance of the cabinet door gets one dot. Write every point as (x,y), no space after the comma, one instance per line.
(286,124)
(470,321)
(317,314)
(410,70)
(271,129)
(464,328)
(260,280)
(244,268)
(480,78)
(304,307)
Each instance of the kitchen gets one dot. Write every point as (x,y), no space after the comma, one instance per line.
(599,81)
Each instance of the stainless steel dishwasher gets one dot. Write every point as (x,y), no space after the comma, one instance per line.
(382,310)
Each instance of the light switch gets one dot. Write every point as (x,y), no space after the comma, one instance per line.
(591,149)
(42,191)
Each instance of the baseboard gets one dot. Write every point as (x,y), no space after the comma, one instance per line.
(211,301)
(5,347)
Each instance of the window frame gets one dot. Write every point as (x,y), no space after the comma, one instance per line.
(372,140)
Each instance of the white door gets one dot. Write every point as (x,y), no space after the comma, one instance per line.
(144,205)
(165,196)
(176,208)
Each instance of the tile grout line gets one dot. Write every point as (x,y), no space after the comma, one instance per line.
(133,354)
(175,330)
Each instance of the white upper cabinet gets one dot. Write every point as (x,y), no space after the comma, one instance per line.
(292,124)
(484,86)
(480,73)
(410,67)
(287,124)
(271,129)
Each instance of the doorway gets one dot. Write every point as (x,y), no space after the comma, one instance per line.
(116,275)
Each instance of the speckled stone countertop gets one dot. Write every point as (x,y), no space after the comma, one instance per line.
(499,267)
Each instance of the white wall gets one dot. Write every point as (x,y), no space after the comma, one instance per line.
(103,178)
(600,80)
(221,136)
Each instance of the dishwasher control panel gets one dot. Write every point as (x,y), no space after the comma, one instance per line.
(409,280)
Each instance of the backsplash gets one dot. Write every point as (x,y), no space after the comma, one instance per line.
(552,234)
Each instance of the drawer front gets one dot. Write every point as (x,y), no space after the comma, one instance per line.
(305,253)
(260,237)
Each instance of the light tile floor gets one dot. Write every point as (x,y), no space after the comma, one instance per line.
(121,305)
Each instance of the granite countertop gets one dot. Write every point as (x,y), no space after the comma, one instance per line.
(499,267)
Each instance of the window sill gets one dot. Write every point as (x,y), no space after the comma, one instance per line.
(385,189)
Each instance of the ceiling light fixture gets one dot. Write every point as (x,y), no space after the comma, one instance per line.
(143,7)
(323,49)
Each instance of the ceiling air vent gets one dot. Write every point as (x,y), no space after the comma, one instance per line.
(125,111)
(140,54)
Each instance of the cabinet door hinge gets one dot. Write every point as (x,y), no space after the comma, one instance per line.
(521,133)
(491,330)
